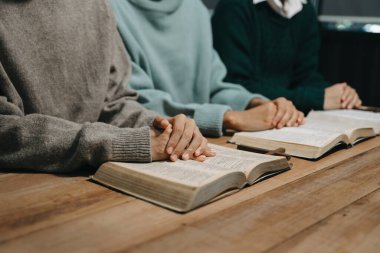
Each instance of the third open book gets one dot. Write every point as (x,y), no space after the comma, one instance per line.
(323,131)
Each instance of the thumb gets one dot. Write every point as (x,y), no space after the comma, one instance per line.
(161,123)
(343,85)
(166,133)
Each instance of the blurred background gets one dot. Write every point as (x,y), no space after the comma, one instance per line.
(350,52)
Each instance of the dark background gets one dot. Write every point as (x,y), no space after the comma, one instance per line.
(366,8)
(351,54)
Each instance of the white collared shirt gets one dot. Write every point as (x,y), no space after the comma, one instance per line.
(288,9)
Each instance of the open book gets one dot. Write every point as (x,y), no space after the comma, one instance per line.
(323,131)
(361,118)
(185,185)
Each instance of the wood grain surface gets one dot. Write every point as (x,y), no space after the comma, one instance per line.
(329,205)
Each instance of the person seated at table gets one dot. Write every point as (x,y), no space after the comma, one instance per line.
(176,70)
(64,100)
(271,47)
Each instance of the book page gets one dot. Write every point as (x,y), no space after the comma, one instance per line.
(361,119)
(298,135)
(196,173)
(355,114)
(185,172)
(228,159)
(329,123)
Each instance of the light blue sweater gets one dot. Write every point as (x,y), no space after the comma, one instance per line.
(174,66)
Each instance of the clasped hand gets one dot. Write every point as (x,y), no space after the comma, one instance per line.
(265,115)
(178,138)
(341,96)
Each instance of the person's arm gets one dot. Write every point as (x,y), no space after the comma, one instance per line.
(48,144)
(232,30)
(157,100)
(233,95)
(233,39)
(306,76)
(250,119)
(121,107)
(209,117)
(224,92)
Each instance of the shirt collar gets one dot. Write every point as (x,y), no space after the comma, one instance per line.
(288,10)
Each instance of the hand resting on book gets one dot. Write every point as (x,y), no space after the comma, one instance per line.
(341,96)
(178,138)
(269,114)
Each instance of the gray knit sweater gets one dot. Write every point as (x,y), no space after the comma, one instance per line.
(64,101)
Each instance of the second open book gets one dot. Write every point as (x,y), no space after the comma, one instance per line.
(323,131)
(185,185)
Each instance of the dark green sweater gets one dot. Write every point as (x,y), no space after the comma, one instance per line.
(270,54)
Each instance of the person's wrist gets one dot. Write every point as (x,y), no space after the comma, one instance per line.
(326,100)
(230,121)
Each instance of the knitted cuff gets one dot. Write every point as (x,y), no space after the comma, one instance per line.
(132,145)
(209,118)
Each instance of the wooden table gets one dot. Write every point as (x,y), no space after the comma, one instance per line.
(331,205)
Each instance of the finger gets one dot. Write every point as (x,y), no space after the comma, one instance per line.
(164,123)
(350,97)
(200,158)
(301,118)
(209,152)
(158,143)
(196,142)
(343,85)
(347,92)
(284,120)
(166,133)
(161,123)
(185,139)
(165,136)
(293,119)
(353,102)
(178,125)
(358,104)
(204,149)
(287,115)
(279,114)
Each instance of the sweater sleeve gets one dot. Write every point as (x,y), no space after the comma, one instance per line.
(48,144)
(305,71)
(121,107)
(223,92)
(232,30)
(234,95)
(209,117)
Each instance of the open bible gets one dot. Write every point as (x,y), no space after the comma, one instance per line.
(322,131)
(357,117)
(185,185)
